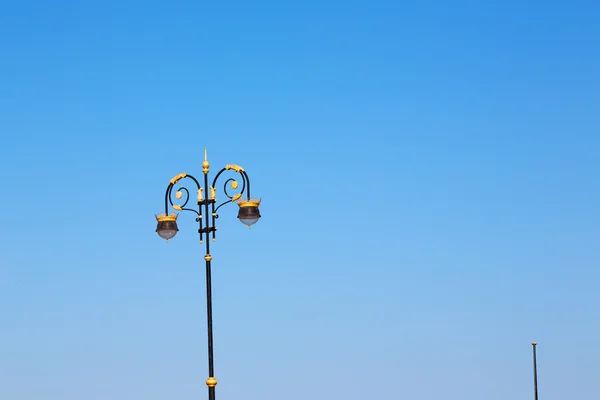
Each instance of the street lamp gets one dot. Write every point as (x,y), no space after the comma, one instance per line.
(206,216)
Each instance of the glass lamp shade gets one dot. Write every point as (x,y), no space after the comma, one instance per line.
(167,226)
(249,214)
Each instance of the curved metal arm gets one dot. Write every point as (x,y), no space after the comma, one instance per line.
(179,193)
(245,185)
(234,185)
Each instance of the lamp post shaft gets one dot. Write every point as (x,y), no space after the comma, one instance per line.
(535,386)
(208,257)
(211,372)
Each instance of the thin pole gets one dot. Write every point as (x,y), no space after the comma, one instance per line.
(208,258)
(535,389)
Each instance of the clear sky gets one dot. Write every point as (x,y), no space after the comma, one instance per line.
(429,174)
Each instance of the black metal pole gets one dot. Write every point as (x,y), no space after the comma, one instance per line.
(535,388)
(211,381)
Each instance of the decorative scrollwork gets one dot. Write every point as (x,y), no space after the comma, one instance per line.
(206,214)
(234,185)
(182,194)
(231,184)
(179,195)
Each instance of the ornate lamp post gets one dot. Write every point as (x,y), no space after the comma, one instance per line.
(206,216)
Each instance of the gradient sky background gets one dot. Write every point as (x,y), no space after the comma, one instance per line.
(429,174)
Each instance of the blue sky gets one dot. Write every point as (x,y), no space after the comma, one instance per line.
(429,175)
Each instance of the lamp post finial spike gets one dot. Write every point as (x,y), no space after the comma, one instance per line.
(205,164)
